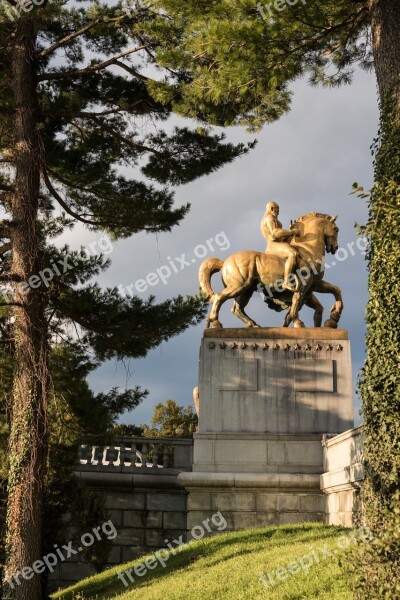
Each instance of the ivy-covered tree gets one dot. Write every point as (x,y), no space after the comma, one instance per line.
(75,414)
(241,56)
(78,104)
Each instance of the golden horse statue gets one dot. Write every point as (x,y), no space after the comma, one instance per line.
(245,272)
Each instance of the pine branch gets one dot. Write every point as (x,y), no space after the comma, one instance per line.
(125,140)
(5,248)
(71,185)
(11,304)
(83,114)
(153,58)
(62,203)
(90,69)
(76,34)
(131,71)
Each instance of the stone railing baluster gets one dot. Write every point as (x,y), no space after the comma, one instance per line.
(98,455)
(113,455)
(165,456)
(128,455)
(85,454)
(155,456)
(144,455)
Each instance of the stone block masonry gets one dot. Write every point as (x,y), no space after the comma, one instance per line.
(144,519)
(138,478)
(343,477)
(266,399)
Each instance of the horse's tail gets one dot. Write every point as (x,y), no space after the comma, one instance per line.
(207,269)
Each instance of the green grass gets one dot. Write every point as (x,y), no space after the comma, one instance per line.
(229,566)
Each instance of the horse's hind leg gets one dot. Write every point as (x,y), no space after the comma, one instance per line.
(240,304)
(231,291)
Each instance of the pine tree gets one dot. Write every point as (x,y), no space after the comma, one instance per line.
(75,414)
(241,56)
(78,103)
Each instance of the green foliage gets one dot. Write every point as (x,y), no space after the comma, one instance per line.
(124,430)
(171,420)
(377,565)
(74,412)
(93,114)
(6,372)
(88,512)
(235,67)
(6,379)
(94,120)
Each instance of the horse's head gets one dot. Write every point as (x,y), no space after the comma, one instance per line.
(331,232)
(314,225)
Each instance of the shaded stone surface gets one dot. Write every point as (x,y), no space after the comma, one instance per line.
(343,477)
(267,397)
(276,380)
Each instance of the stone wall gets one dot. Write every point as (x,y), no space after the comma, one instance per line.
(253,500)
(143,517)
(343,475)
(150,506)
(138,478)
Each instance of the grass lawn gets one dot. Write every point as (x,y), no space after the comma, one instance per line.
(310,557)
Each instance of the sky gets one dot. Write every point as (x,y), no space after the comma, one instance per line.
(306,162)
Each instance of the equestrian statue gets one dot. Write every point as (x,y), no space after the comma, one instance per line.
(287,273)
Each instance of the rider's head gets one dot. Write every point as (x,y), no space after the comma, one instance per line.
(273,207)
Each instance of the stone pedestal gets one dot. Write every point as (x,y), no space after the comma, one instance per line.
(267,397)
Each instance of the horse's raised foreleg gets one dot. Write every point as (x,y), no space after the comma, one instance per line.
(231,291)
(312,302)
(240,304)
(324,287)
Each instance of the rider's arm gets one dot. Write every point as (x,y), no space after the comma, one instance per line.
(277,233)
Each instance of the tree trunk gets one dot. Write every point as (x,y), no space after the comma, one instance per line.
(28,438)
(385,22)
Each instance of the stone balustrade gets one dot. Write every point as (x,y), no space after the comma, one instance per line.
(138,478)
(161,456)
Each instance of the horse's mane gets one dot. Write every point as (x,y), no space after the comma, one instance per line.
(312,215)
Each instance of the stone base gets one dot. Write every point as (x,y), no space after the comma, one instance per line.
(266,398)
(252,500)
(257,453)
(275,380)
